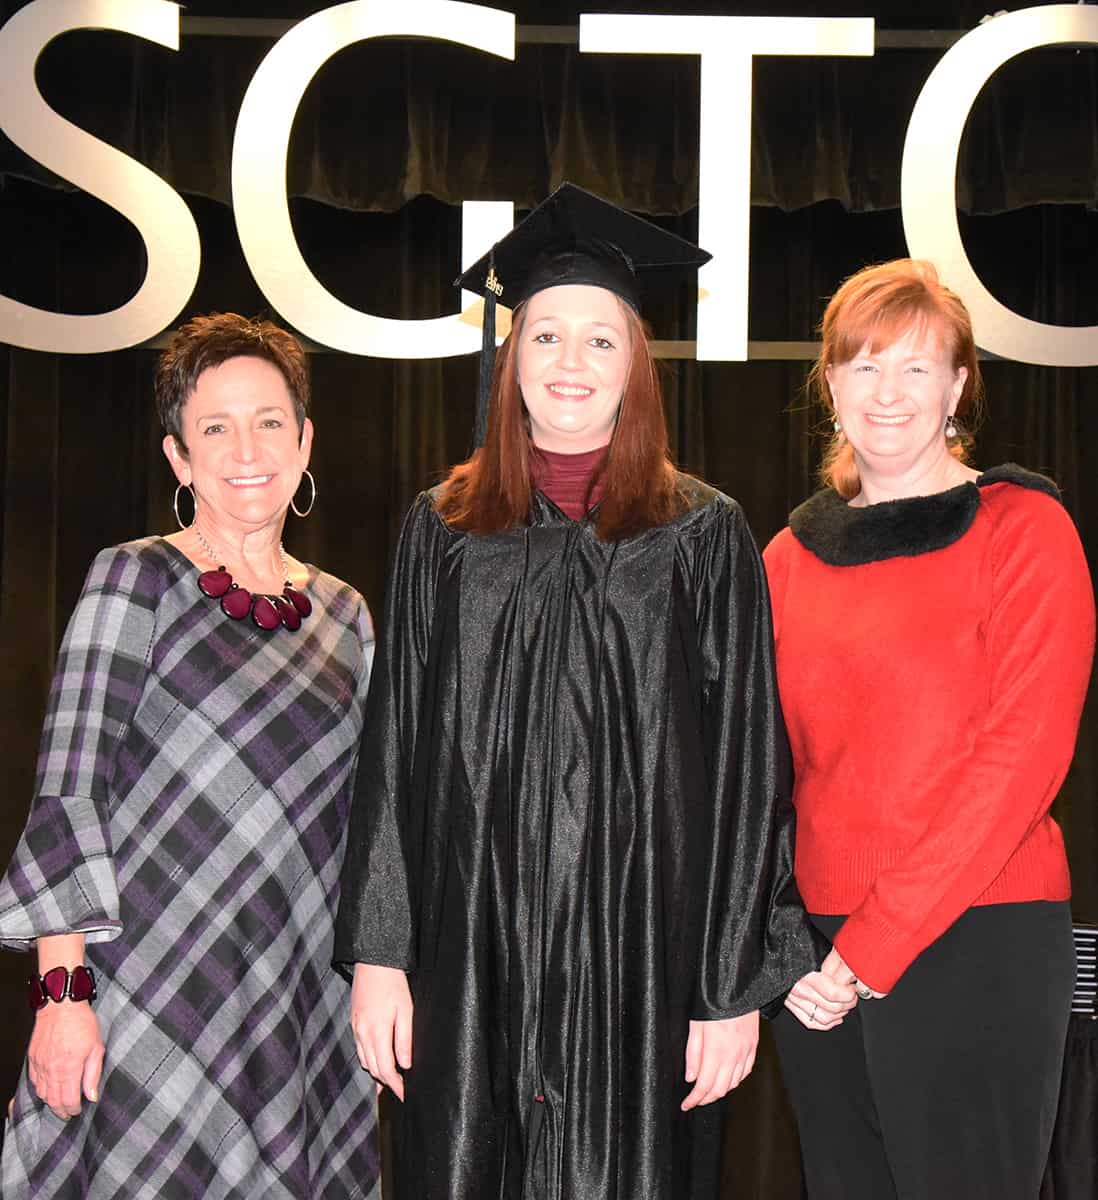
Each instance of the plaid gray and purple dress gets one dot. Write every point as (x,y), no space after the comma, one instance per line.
(189,818)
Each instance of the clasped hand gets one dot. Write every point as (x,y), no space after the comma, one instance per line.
(821,999)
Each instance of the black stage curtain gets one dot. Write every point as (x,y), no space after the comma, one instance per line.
(385,147)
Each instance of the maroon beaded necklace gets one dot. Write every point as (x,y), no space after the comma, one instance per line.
(267,611)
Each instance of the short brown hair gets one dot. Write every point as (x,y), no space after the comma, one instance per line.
(208,341)
(491,491)
(878,305)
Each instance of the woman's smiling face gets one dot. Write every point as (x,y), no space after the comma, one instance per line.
(893,402)
(245,454)
(573,361)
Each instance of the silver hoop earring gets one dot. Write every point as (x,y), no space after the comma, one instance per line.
(951,427)
(312,499)
(175,505)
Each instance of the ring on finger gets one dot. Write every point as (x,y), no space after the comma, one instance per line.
(864,993)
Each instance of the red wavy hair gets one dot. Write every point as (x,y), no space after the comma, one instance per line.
(879,305)
(491,491)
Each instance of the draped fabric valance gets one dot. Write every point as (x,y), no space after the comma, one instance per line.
(386,121)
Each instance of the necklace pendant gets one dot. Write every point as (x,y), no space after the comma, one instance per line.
(264,613)
(215,583)
(298,599)
(236,603)
(287,612)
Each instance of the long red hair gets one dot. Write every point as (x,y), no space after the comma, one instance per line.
(491,491)
(879,305)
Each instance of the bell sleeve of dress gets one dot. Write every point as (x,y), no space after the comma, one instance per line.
(61,878)
(1001,777)
(758,940)
(375,921)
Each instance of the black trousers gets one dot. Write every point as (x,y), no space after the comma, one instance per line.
(947,1088)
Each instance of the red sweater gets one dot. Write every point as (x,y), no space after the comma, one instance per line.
(933,657)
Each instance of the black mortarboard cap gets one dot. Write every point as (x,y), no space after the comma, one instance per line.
(572,237)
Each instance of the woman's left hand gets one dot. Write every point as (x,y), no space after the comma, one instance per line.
(719,1057)
(835,966)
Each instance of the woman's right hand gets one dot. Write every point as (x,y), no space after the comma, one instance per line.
(65,1057)
(381,1021)
(820,1002)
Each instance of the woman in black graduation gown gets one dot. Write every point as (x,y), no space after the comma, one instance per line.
(568,888)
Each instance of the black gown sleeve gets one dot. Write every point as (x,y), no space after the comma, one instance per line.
(757,940)
(374,923)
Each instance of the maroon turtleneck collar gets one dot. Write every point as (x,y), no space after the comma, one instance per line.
(565,479)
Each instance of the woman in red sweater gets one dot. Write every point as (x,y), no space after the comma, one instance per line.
(935,632)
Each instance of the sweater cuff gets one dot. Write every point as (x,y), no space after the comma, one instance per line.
(875,950)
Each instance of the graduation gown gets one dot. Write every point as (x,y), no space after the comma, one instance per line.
(572,829)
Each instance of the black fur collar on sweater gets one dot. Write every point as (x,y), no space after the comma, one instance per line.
(847,537)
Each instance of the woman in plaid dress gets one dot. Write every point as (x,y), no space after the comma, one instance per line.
(186,830)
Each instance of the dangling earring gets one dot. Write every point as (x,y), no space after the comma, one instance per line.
(312,499)
(951,428)
(175,505)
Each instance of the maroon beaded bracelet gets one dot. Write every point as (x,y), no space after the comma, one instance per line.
(60,983)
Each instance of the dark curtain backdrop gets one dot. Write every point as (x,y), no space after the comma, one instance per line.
(390,138)
(387,121)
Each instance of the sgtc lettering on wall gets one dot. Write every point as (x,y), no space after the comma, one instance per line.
(725,47)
